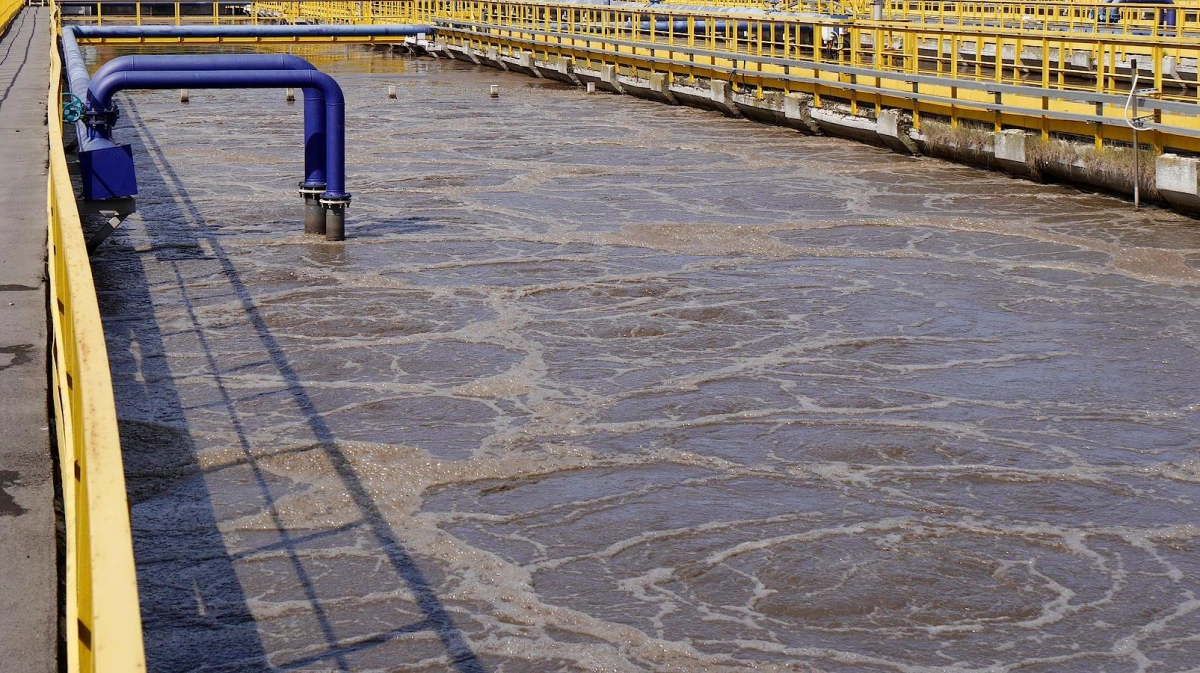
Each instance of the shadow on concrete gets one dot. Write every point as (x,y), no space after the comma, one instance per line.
(194,607)
(17,26)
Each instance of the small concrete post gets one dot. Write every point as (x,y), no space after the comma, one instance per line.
(391,91)
(608,75)
(1008,147)
(291,95)
(183,96)
(1177,180)
(591,87)
(893,131)
(494,91)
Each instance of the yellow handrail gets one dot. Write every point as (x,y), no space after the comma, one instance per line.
(103,625)
(8,11)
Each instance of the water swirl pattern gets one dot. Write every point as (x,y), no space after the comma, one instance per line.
(597,384)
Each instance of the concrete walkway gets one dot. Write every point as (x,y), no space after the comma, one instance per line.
(28,570)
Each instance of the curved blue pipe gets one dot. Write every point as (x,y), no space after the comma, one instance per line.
(314,100)
(102,90)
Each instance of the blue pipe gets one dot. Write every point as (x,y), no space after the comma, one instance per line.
(314,99)
(319,30)
(681,25)
(101,91)
(78,81)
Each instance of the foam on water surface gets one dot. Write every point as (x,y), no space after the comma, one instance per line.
(600,385)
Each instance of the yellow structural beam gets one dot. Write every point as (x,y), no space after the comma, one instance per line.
(8,11)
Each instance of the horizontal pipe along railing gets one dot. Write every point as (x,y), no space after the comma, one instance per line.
(102,626)
(160,12)
(244,31)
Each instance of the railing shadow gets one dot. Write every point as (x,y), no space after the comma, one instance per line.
(194,607)
(194,611)
(18,26)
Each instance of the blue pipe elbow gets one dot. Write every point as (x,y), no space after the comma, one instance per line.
(101,91)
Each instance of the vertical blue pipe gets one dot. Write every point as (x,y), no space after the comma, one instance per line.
(315,158)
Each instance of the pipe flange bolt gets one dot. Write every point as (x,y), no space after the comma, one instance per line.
(106,118)
(311,192)
(343,200)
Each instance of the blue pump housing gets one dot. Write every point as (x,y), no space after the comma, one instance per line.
(107,172)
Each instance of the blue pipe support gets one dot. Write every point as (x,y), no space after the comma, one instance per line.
(314,99)
(101,91)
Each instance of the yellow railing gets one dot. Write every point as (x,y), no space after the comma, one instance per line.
(1096,18)
(1040,15)
(335,11)
(841,7)
(152,13)
(1054,83)
(1097,63)
(102,626)
(8,11)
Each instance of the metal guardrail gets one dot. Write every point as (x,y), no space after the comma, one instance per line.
(1055,81)
(103,625)
(840,7)
(1152,19)
(1051,83)
(326,11)
(1095,63)
(8,12)
(1028,16)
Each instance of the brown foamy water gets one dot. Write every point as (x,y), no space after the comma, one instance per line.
(601,385)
